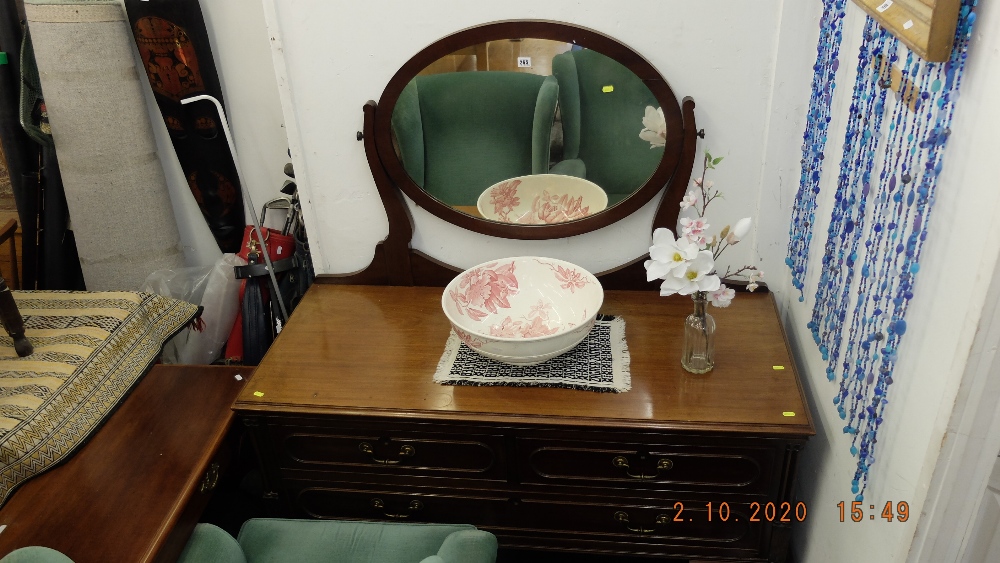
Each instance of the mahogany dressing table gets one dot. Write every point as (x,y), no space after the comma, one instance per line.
(349,424)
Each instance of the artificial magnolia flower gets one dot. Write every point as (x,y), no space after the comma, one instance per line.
(654,128)
(722,297)
(739,231)
(754,276)
(690,198)
(694,277)
(668,255)
(707,186)
(695,230)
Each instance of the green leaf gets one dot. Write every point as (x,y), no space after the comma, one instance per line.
(708,155)
(718,160)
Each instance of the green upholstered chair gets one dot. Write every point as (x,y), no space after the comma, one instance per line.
(35,554)
(333,541)
(459,133)
(320,541)
(602,105)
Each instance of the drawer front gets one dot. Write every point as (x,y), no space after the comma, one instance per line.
(678,522)
(394,504)
(746,470)
(396,452)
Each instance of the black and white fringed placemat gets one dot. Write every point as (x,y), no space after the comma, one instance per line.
(599,363)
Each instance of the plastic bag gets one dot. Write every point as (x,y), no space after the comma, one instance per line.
(217,291)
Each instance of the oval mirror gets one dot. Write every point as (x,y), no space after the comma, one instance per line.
(529,130)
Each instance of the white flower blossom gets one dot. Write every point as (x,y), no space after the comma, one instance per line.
(722,297)
(693,277)
(654,128)
(695,230)
(690,199)
(739,231)
(668,255)
(753,277)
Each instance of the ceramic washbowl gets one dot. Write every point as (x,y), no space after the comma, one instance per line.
(541,199)
(523,310)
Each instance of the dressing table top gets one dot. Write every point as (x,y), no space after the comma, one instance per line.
(372,351)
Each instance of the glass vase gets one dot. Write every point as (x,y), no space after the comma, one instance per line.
(698,355)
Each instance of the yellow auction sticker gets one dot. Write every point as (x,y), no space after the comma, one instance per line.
(258,394)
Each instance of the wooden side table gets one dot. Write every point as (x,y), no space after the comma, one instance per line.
(135,490)
(350,425)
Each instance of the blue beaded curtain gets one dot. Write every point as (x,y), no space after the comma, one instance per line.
(831,26)
(885,190)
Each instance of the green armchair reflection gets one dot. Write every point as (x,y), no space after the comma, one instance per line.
(602,105)
(459,133)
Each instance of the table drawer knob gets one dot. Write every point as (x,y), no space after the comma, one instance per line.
(405,451)
(622,517)
(663,464)
(414,506)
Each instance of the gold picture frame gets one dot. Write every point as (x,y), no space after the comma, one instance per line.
(927,27)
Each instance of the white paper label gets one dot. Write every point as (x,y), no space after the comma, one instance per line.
(908,24)
(884,6)
(524,62)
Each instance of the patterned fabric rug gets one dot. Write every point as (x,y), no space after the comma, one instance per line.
(599,363)
(90,349)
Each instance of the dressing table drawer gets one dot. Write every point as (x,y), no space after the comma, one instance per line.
(665,521)
(398,452)
(377,502)
(746,470)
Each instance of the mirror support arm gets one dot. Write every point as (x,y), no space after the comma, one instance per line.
(670,204)
(396,246)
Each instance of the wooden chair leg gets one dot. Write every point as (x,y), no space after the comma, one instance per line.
(15,278)
(12,321)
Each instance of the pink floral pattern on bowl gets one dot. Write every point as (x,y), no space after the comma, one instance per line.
(556,208)
(522,310)
(503,198)
(568,278)
(535,323)
(486,287)
(541,199)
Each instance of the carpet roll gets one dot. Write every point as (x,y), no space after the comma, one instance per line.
(115,187)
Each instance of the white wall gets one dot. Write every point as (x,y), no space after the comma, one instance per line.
(957,266)
(748,66)
(334,57)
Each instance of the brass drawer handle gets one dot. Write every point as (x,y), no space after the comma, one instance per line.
(622,517)
(211,479)
(664,464)
(414,506)
(405,451)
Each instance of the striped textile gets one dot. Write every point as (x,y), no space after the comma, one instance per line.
(90,348)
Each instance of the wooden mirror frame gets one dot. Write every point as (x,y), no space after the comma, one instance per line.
(665,173)
(396,263)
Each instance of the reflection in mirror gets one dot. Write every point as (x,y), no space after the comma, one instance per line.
(526,130)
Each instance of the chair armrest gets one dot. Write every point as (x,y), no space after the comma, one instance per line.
(35,554)
(467,546)
(211,544)
(570,167)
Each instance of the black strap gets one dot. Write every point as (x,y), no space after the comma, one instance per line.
(256,270)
